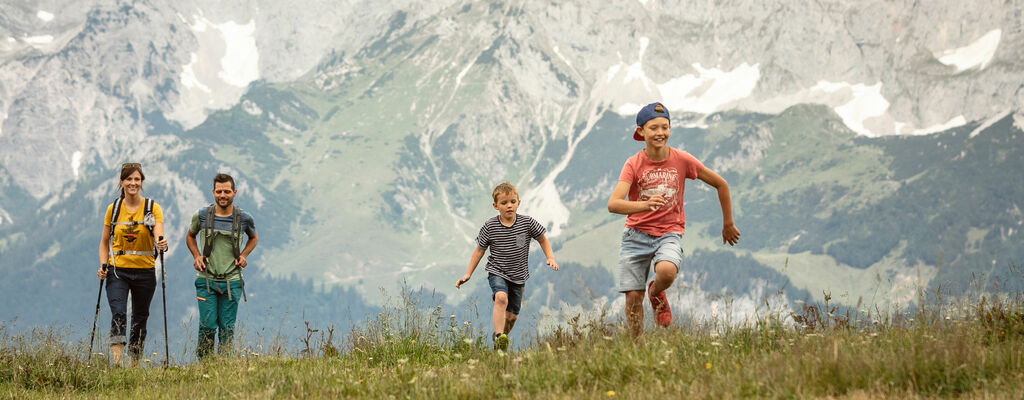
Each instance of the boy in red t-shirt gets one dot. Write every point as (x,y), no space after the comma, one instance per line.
(654,180)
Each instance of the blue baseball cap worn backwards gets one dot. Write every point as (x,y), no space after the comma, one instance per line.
(646,114)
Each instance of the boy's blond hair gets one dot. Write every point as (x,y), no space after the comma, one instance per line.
(504,188)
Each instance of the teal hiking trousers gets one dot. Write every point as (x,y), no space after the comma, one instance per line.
(216,314)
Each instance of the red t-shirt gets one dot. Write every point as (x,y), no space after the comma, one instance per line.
(647,178)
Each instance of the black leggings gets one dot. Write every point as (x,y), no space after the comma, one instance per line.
(140,284)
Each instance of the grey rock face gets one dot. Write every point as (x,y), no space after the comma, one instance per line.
(111,67)
(86,103)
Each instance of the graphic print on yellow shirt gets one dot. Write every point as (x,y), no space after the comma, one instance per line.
(132,237)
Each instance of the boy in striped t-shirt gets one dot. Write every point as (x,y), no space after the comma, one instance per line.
(508,236)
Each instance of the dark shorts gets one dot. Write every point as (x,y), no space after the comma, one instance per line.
(514,291)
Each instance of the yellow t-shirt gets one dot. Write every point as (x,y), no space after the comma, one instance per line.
(133,237)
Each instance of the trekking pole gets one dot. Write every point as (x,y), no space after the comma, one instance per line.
(163,296)
(92,334)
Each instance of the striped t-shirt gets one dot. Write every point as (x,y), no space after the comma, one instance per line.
(510,246)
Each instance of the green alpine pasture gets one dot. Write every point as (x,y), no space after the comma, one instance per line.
(953,348)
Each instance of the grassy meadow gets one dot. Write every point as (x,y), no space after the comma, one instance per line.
(951,348)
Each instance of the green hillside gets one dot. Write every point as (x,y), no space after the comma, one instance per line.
(967,347)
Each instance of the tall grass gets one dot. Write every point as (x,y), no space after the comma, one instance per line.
(947,347)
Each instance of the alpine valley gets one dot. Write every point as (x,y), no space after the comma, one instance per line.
(873,149)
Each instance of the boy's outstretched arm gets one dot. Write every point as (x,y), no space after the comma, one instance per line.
(618,204)
(730,234)
(478,254)
(546,246)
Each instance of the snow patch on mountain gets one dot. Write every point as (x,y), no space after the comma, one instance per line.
(544,201)
(711,89)
(219,71)
(188,76)
(862,108)
(867,106)
(47,42)
(705,91)
(39,41)
(975,55)
(561,56)
(45,16)
(241,62)
(544,204)
(865,102)
(252,108)
(76,162)
(954,122)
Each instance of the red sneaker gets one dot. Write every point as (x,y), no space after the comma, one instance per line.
(659,302)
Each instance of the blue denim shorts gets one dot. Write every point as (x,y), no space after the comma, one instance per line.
(514,291)
(639,251)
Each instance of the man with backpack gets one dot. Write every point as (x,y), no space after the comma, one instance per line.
(219,263)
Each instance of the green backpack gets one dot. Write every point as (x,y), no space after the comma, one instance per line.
(236,239)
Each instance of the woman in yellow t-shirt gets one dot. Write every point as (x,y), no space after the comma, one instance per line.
(128,258)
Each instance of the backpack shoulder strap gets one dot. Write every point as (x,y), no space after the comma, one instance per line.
(115,210)
(208,232)
(236,231)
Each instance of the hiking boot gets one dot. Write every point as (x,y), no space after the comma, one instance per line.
(501,342)
(659,302)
